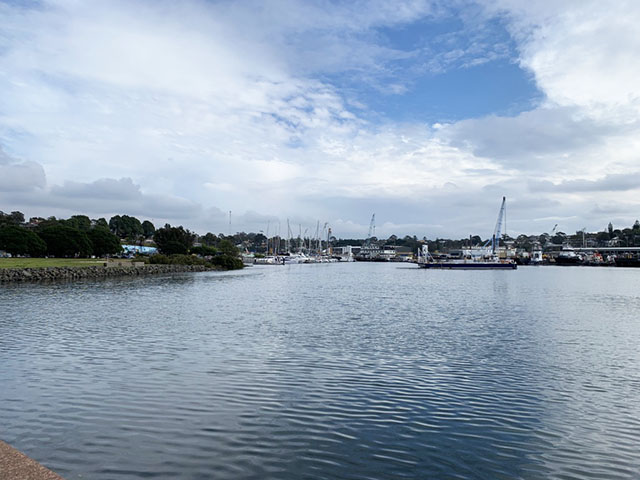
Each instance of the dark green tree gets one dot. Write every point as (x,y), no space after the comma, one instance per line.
(103,242)
(203,250)
(173,247)
(50,221)
(20,241)
(81,222)
(13,218)
(125,226)
(101,222)
(209,239)
(225,247)
(169,238)
(148,229)
(65,241)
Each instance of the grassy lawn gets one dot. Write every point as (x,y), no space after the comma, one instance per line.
(49,262)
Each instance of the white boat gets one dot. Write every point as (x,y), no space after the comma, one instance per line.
(536,257)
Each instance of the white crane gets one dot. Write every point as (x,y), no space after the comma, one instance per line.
(372,230)
(497,232)
(495,241)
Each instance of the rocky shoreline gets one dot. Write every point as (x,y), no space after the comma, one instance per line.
(75,273)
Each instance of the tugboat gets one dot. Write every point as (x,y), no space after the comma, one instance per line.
(485,258)
(537,258)
(568,256)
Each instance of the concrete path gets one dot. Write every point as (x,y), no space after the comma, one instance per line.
(17,466)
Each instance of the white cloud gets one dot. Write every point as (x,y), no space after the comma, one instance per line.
(17,176)
(184,111)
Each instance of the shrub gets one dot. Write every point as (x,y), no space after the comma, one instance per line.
(228,262)
(224,261)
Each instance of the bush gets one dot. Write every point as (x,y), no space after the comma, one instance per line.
(204,250)
(228,262)
(224,261)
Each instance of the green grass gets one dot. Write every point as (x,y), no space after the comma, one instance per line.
(49,262)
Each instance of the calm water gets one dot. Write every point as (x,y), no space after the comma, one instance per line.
(345,371)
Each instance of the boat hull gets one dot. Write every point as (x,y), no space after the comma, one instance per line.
(568,261)
(469,266)
(628,262)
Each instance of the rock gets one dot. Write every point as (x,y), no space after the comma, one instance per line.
(70,273)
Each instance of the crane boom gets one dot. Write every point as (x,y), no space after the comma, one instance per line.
(495,241)
(372,227)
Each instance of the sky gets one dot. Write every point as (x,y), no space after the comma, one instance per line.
(423,112)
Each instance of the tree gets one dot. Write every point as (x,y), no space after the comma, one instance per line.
(173,247)
(13,218)
(636,225)
(225,247)
(20,241)
(209,239)
(148,229)
(125,226)
(173,239)
(101,222)
(610,230)
(81,222)
(65,241)
(103,242)
(50,221)
(204,250)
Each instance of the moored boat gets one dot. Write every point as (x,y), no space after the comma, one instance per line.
(485,264)
(628,261)
(568,256)
(485,258)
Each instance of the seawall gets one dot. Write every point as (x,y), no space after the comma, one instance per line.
(76,273)
(15,465)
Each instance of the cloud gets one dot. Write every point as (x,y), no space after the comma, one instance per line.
(543,135)
(581,52)
(184,111)
(16,175)
(106,196)
(609,183)
(102,189)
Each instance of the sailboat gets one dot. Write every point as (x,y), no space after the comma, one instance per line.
(485,258)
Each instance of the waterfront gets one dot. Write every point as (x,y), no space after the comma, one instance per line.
(362,370)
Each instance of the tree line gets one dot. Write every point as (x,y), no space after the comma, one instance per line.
(80,236)
(77,236)
(609,236)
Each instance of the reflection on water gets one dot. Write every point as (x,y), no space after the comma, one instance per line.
(327,371)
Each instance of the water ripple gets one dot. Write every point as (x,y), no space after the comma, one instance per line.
(362,371)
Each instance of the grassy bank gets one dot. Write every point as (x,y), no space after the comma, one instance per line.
(49,262)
